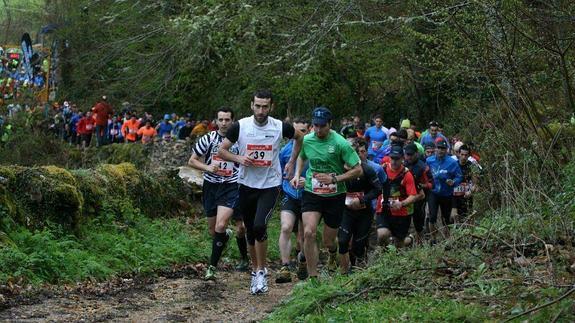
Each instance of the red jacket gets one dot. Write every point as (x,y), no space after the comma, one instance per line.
(102,110)
(85,126)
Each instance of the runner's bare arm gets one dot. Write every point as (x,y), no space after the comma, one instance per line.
(296,179)
(289,167)
(224,153)
(196,163)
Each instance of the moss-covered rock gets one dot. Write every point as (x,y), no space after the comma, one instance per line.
(37,196)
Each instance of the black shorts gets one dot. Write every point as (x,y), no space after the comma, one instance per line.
(463,205)
(292,206)
(398,225)
(330,207)
(220,194)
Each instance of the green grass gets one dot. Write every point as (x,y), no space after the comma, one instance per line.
(105,250)
(108,248)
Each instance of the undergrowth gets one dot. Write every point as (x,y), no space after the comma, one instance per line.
(516,262)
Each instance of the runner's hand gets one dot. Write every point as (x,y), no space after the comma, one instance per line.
(467,195)
(355,204)
(324,178)
(213,169)
(295,182)
(245,160)
(288,170)
(396,205)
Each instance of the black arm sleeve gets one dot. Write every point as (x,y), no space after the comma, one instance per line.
(288,130)
(375,184)
(233,132)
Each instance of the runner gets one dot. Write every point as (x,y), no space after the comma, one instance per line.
(446,175)
(291,215)
(130,129)
(260,175)
(358,213)
(85,128)
(375,136)
(462,194)
(395,209)
(147,132)
(324,194)
(432,134)
(220,190)
(422,176)
(350,130)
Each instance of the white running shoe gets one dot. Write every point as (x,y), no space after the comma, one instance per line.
(253,288)
(261,282)
(265,280)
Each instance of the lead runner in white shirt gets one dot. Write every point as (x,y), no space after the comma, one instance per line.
(258,138)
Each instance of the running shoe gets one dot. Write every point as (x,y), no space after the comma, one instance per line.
(253,285)
(301,268)
(210,273)
(262,282)
(284,275)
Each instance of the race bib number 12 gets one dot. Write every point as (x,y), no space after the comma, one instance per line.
(261,155)
(225,168)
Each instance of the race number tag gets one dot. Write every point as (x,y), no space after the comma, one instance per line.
(260,154)
(350,196)
(320,188)
(132,131)
(225,168)
(89,127)
(375,145)
(460,190)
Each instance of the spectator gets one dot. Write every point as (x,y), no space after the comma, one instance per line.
(103,111)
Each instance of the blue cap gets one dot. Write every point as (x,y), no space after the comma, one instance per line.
(167,117)
(321,116)
(396,151)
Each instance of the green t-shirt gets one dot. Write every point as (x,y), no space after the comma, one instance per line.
(327,155)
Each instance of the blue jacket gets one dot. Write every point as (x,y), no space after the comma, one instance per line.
(428,139)
(284,156)
(381,175)
(442,170)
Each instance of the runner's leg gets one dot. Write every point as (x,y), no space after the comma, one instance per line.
(220,238)
(310,221)
(287,222)
(266,201)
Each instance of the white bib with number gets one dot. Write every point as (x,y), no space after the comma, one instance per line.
(225,168)
(461,189)
(320,188)
(260,154)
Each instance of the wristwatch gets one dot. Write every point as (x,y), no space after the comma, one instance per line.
(333,178)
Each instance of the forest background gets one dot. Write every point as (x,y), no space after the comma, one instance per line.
(498,73)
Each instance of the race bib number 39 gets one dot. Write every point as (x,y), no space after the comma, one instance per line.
(319,188)
(261,155)
(225,168)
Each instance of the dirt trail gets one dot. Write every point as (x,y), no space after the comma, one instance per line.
(160,299)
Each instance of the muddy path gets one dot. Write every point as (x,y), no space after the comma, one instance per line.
(180,297)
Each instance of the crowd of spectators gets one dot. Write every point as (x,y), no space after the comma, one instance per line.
(108,126)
